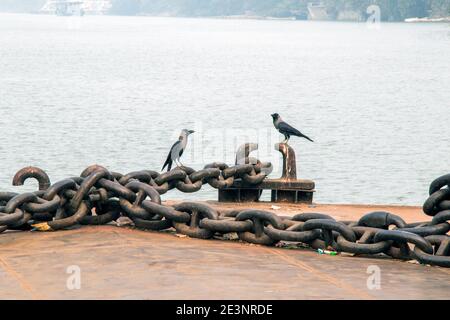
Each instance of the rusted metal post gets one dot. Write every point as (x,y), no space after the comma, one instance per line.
(289,163)
(287,188)
(290,188)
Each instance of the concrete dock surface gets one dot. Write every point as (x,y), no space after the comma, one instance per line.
(338,211)
(124,263)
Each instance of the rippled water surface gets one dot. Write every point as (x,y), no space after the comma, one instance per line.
(117,90)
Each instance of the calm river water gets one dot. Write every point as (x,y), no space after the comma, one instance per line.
(117,90)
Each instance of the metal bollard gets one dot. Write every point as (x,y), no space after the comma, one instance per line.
(287,188)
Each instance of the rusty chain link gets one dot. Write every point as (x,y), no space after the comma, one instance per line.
(99,197)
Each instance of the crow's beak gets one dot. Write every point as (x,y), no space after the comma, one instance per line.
(191,131)
(273,115)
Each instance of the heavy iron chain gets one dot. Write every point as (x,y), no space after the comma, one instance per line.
(99,197)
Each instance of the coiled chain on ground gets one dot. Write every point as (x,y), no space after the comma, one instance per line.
(99,197)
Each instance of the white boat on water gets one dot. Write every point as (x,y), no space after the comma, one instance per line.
(76,7)
(427,19)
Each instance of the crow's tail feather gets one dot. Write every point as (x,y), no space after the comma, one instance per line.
(306,137)
(168,163)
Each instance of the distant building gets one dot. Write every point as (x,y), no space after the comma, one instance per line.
(317,11)
(76,7)
(350,15)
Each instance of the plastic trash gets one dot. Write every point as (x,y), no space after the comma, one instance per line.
(331,253)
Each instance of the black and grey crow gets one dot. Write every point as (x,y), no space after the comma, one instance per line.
(285,129)
(177,150)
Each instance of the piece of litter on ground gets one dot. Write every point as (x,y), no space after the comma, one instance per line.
(179,235)
(124,222)
(328,252)
(230,236)
(274,207)
(347,254)
(286,245)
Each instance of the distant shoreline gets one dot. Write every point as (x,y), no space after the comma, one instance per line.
(253,17)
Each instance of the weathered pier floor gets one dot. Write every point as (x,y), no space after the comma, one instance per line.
(121,263)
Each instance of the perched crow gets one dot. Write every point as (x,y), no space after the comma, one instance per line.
(285,129)
(177,150)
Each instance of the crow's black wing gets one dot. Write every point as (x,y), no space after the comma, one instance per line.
(285,128)
(169,157)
